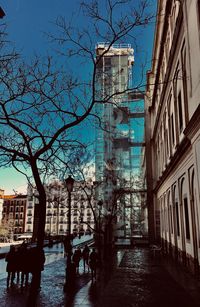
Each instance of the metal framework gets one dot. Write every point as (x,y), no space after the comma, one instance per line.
(116,141)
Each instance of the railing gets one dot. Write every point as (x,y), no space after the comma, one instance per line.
(117,46)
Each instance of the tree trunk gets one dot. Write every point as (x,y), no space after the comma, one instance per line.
(41,211)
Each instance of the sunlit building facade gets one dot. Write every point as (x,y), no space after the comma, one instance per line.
(173,132)
(14,213)
(82,218)
(1,203)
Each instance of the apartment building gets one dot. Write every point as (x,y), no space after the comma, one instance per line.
(173,132)
(14,212)
(1,203)
(82,218)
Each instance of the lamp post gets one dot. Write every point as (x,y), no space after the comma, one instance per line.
(69,183)
(100,204)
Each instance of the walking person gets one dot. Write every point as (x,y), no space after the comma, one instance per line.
(11,266)
(93,259)
(18,262)
(76,259)
(85,254)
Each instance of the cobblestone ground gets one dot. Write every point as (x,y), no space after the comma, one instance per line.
(140,280)
(143,281)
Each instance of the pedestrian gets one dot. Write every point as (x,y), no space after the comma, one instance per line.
(76,259)
(93,259)
(17,262)
(11,266)
(24,264)
(37,260)
(85,254)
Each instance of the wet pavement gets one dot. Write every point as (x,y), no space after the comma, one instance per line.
(135,278)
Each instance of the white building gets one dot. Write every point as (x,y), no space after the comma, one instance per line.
(82,218)
(173,125)
(1,203)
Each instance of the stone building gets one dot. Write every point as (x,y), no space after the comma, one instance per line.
(82,218)
(1,203)
(173,131)
(14,213)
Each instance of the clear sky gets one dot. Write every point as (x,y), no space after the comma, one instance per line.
(27,20)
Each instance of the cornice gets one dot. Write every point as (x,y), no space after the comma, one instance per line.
(194,124)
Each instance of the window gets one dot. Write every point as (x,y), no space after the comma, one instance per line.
(107,61)
(171,219)
(172,128)
(177,219)
(198,11)
(180,112)
(187,225)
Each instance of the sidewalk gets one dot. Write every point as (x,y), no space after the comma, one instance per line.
(136,279)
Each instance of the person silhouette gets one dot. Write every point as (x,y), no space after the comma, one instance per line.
(93,258)
(11,266)
(85,254)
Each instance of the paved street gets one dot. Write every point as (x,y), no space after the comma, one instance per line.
(136,279)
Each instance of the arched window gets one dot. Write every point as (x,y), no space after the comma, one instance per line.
(169,213)
(186,210)
(176,211)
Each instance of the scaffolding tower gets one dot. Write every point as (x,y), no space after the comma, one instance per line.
(117,148)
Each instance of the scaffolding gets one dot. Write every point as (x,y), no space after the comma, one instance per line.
(116,142)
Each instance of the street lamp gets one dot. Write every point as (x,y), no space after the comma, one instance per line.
(100,204)
(69,183)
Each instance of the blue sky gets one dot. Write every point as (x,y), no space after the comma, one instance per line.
(27,20)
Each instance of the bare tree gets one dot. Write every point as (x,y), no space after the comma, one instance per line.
(42,105)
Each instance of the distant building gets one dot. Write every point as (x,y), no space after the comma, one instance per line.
(57,208)
(14,212)
(1,203)
(173,139)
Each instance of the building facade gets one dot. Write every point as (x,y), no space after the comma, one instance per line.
(1,203)
(173,132)
(82,218)
(14,213)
